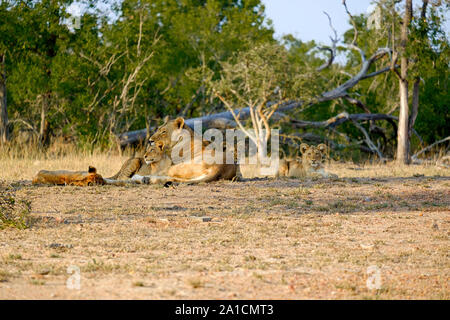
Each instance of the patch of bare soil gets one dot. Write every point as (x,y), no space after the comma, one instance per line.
(350,238)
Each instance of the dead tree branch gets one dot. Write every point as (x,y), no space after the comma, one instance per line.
(244,113)
(357,103)
(332,50)
(368,140)
(341,118)
(416,155)
(355,36)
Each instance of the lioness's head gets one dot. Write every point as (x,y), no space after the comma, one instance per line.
(92,178)
(313,156)
(154,152)
(165,132)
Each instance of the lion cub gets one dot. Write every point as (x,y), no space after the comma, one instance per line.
(309,164)
(157,165)
(74,178)
(154,162)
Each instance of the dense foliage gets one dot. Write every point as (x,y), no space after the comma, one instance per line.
(104,74)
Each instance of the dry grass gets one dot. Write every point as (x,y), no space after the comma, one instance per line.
(25,169)
(285,239)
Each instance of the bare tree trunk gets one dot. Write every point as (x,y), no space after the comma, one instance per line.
(403,124)
(44,129)
(42,126)
(414,109)
(416,86)
(403,121)
(3,105)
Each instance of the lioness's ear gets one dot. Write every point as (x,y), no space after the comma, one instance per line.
(179,122)
(165,120)
(322,147)
(303,147)
(92,170)
(160,145)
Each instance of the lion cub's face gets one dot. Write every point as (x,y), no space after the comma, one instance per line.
(313,157)
(92,178)
(154,153)
(164,133)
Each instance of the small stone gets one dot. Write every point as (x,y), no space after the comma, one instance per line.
(60,246)
(44,272)
(59,220)
(202,219)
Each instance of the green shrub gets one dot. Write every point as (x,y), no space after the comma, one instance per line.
(14,212)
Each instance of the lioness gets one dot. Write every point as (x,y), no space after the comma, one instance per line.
(309,164)
(75,178)
(170,134)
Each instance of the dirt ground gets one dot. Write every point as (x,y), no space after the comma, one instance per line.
(377,232)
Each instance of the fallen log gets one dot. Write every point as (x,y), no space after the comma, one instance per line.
(214,121)
(220,122)
(341,91)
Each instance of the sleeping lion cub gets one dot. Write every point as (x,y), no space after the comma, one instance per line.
(73,178)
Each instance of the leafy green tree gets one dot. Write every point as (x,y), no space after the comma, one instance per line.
(427,53)
(8,25)
(116,72)
(418,43)
(39,38)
